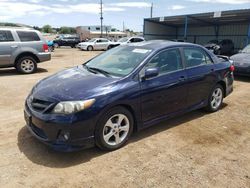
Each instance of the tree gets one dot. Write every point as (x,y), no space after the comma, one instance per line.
(67,30)
(47,29)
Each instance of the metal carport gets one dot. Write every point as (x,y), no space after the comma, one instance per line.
(201,28)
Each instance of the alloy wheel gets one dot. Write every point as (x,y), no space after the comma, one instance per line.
(116,129)
(216,99)
(27,65)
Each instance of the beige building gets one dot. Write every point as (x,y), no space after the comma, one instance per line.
(88,32)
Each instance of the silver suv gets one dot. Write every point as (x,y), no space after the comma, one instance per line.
(23,49)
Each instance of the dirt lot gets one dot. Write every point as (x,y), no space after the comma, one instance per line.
(194,150)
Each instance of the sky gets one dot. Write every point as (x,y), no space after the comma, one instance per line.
(87,12)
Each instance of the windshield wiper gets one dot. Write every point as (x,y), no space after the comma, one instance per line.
(97,70)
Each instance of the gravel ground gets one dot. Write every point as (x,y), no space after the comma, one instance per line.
(194,150)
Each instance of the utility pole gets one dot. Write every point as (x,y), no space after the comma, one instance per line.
(101,18)
(123,26)
(151,10)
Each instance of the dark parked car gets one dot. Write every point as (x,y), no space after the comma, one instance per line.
(66,41)
(224,47)
(242,62)
(125,89)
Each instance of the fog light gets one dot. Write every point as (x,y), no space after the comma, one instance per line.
(64,135)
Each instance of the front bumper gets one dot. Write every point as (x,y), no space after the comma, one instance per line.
(51,133)
(44,56)
(83,47)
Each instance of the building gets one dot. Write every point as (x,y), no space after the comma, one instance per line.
(201,28)
(87,32)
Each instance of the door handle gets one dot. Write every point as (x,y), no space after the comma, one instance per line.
(182,78)
(14,46)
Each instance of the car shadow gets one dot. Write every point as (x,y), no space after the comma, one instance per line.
(12,71)
(41,154)
(242,78)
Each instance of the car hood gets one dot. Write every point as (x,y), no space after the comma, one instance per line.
(241,58)
(73,84)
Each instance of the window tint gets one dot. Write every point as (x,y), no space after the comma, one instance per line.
(104,40)
(26,36)
(138,40)
(6,36)
(167,61)
(195,57)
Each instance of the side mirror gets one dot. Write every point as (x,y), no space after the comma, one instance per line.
(151,72)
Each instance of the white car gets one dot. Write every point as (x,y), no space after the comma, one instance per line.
(95,44)
(127,40)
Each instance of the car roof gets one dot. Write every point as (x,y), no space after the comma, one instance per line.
(161,44)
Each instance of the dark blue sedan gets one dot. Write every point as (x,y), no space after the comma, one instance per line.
(123,90)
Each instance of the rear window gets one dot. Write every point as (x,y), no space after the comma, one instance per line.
(6,36)
(27,36)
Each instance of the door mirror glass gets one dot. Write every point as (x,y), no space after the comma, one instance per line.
(151,72)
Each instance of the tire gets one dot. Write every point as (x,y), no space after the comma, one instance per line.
(109,47)
(90,48)
(26,65)
(215,99)
(110,134)
(56,45)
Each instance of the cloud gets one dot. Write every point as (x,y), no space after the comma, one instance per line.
(132,4)
(177,7)
(233,2)
(10,9)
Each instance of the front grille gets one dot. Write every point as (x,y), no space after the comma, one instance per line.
(40,105)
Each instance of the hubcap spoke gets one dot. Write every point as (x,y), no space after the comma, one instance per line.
(108,136)
(117,138)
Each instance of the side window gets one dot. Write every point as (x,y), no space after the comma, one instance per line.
(6,36)
(27,36)
(138,40)
(166,61)
(104,40)
(195,57)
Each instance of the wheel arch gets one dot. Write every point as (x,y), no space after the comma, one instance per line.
(127,107)
(26,54)
(223,84)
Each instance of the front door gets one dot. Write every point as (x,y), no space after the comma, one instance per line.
(167,92)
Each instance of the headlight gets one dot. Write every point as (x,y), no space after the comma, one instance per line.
(69,107)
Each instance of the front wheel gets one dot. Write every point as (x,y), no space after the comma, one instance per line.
(215,99)
(90,48)
(114,129)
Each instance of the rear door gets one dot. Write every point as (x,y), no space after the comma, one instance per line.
(7,46)
(200,74)
(166,93)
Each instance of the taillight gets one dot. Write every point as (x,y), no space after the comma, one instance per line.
(45,47)
(232,68)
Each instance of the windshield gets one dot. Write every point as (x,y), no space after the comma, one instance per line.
(246,49)
(92,40)
(123,39)
(119,61)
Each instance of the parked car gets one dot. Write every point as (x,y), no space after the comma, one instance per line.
(95,44)
(242,62)
(224,47)
(127,40)
(71,41)
(125,89)
(22,49)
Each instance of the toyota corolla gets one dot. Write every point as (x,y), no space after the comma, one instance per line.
(126,89)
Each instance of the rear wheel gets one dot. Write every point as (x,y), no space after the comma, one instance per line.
(114,129)
(90,48)
(215,99)
(26,65)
